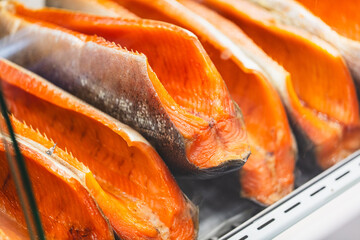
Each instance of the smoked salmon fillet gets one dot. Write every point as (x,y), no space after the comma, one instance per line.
(268,174)
(343,18)
(186,112)
(329,20)
(320,97)
(142,199)
(66,207)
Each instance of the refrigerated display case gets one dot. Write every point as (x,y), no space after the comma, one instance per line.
(324,205)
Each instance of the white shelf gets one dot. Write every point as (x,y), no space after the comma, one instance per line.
(307,203)
(338,219)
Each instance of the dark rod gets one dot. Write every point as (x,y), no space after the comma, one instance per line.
(21,179)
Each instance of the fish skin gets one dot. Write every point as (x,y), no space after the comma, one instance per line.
(225,43)
(130,108)
(268,174)
(289,12)
(44,98)
(322,118)
(141,108)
